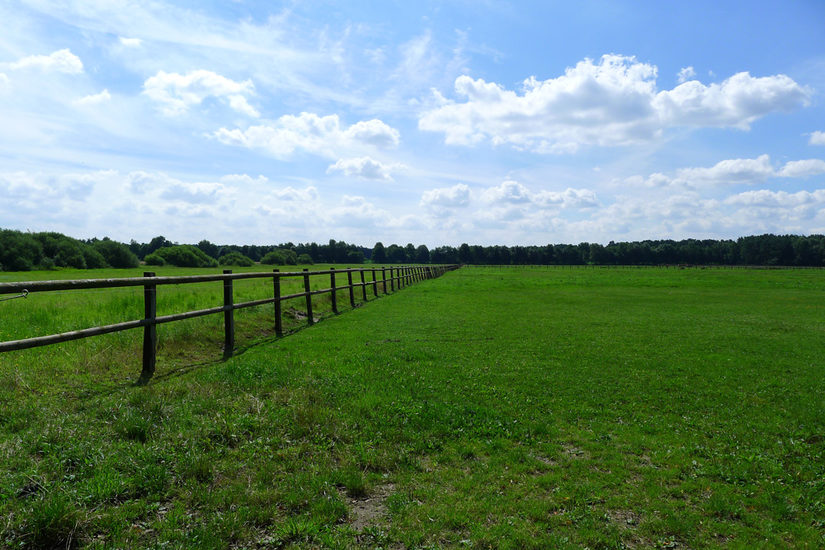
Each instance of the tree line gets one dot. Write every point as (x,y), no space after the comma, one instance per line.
(21,251)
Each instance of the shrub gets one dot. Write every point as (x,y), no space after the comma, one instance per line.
(355,257)
(70,254)
(154,259)
(274,257)
(116,254)
(185,255)
(19,251)
(235,258)
(93,258)
(280,256)
(290,257)
(305,259)
(47,264)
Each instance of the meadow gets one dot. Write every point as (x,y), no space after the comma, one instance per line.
(489,408)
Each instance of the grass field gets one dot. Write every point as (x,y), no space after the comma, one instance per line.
(490,408)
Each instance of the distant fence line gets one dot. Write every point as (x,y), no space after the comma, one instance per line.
(649,266)
(399,277)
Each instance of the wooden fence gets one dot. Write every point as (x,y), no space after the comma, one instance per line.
(391,279)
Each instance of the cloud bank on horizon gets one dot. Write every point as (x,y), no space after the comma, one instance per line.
(430,123)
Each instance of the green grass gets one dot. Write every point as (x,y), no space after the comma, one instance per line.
(103,360)
(490,408)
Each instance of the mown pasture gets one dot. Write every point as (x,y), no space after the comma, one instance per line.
(512,407)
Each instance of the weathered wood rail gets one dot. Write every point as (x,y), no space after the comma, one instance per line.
(397,277)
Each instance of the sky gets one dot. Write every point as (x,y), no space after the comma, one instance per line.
(431,122)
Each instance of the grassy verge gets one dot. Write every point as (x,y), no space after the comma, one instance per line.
(105,360)
(488,408)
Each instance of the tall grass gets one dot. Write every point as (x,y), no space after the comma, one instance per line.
(115,357)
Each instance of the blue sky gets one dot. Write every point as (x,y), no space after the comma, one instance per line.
(424,122)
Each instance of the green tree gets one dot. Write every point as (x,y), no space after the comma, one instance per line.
(236,258)
(422,254)
(355,257)
(379,253)
(116,254)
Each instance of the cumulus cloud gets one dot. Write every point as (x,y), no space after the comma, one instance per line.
(734,172)
(802,168)
(61,61)
(447,197)
(736,102)
(95,99)
(610,102)
(290,194)
(374,132)
(513,193)
(686,74)
(569,198)
(817,138)
(781,199)
(508,192)
(731,171)
(364,167)
(193,192)
(176,93)
(311,133)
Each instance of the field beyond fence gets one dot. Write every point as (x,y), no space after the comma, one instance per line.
(488,408)
(387,278)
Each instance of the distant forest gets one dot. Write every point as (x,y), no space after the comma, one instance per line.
(21,251)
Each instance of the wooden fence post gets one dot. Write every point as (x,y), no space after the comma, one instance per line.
(228,317)
(150,331)
(392,279)
(351,291)
(384,278)
(374,283)
(334,290)
(308,296)
(363,284)
(276,284)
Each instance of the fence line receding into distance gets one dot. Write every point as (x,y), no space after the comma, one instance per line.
(399,277)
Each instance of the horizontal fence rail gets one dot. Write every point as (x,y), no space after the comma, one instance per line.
(398,277)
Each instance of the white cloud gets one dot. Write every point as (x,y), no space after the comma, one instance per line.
(508,192)
(290,194)
(817,138)
(62,61)
(513,193)
(95,99)
(686,74)
(612,102)
(176,93)
(736,102)
(802,168)
(732,172)
(312,133)
(447,197)
(374,132)
(193,192)
(130,42)
(364,167)
(569,198)
(4,81)
(780,199)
